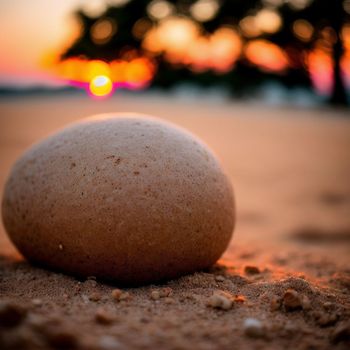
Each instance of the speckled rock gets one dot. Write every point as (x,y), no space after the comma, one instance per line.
(122,197)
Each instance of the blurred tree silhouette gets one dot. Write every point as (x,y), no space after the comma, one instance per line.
(323,15)
(317,16)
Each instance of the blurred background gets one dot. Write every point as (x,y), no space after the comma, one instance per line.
(275,51)
(265,83)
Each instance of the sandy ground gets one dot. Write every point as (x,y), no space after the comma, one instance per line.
(290,169)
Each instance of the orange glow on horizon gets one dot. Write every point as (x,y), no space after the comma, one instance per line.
(94,68)
(266,55)
(138,72)
(101,77)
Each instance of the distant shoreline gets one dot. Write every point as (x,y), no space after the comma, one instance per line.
(270,94)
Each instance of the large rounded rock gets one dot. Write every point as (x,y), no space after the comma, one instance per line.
(124,197)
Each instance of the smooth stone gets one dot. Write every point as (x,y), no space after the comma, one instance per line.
(122,197)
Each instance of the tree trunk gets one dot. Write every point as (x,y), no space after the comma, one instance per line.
(338,94)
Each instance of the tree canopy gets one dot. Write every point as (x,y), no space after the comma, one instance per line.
(291,32)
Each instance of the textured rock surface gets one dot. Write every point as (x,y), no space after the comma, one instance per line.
(127,198)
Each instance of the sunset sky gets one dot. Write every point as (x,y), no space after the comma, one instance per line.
(31,30)
(34,33)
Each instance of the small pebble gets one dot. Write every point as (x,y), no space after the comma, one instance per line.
(116,293)
(125,296)
(119,295)
(77,288)
(103,317)
(85,298)
(221,300)
(253,328)
(251,270)
(11,315)
(219,278)
(161,293)
(165,292)
(155,295)
(305,303)
(328,305)
(291,300)
(95,296)
(187,296)
(275,303)
(90,283)
(240,298)
(108,342)
(37,302)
